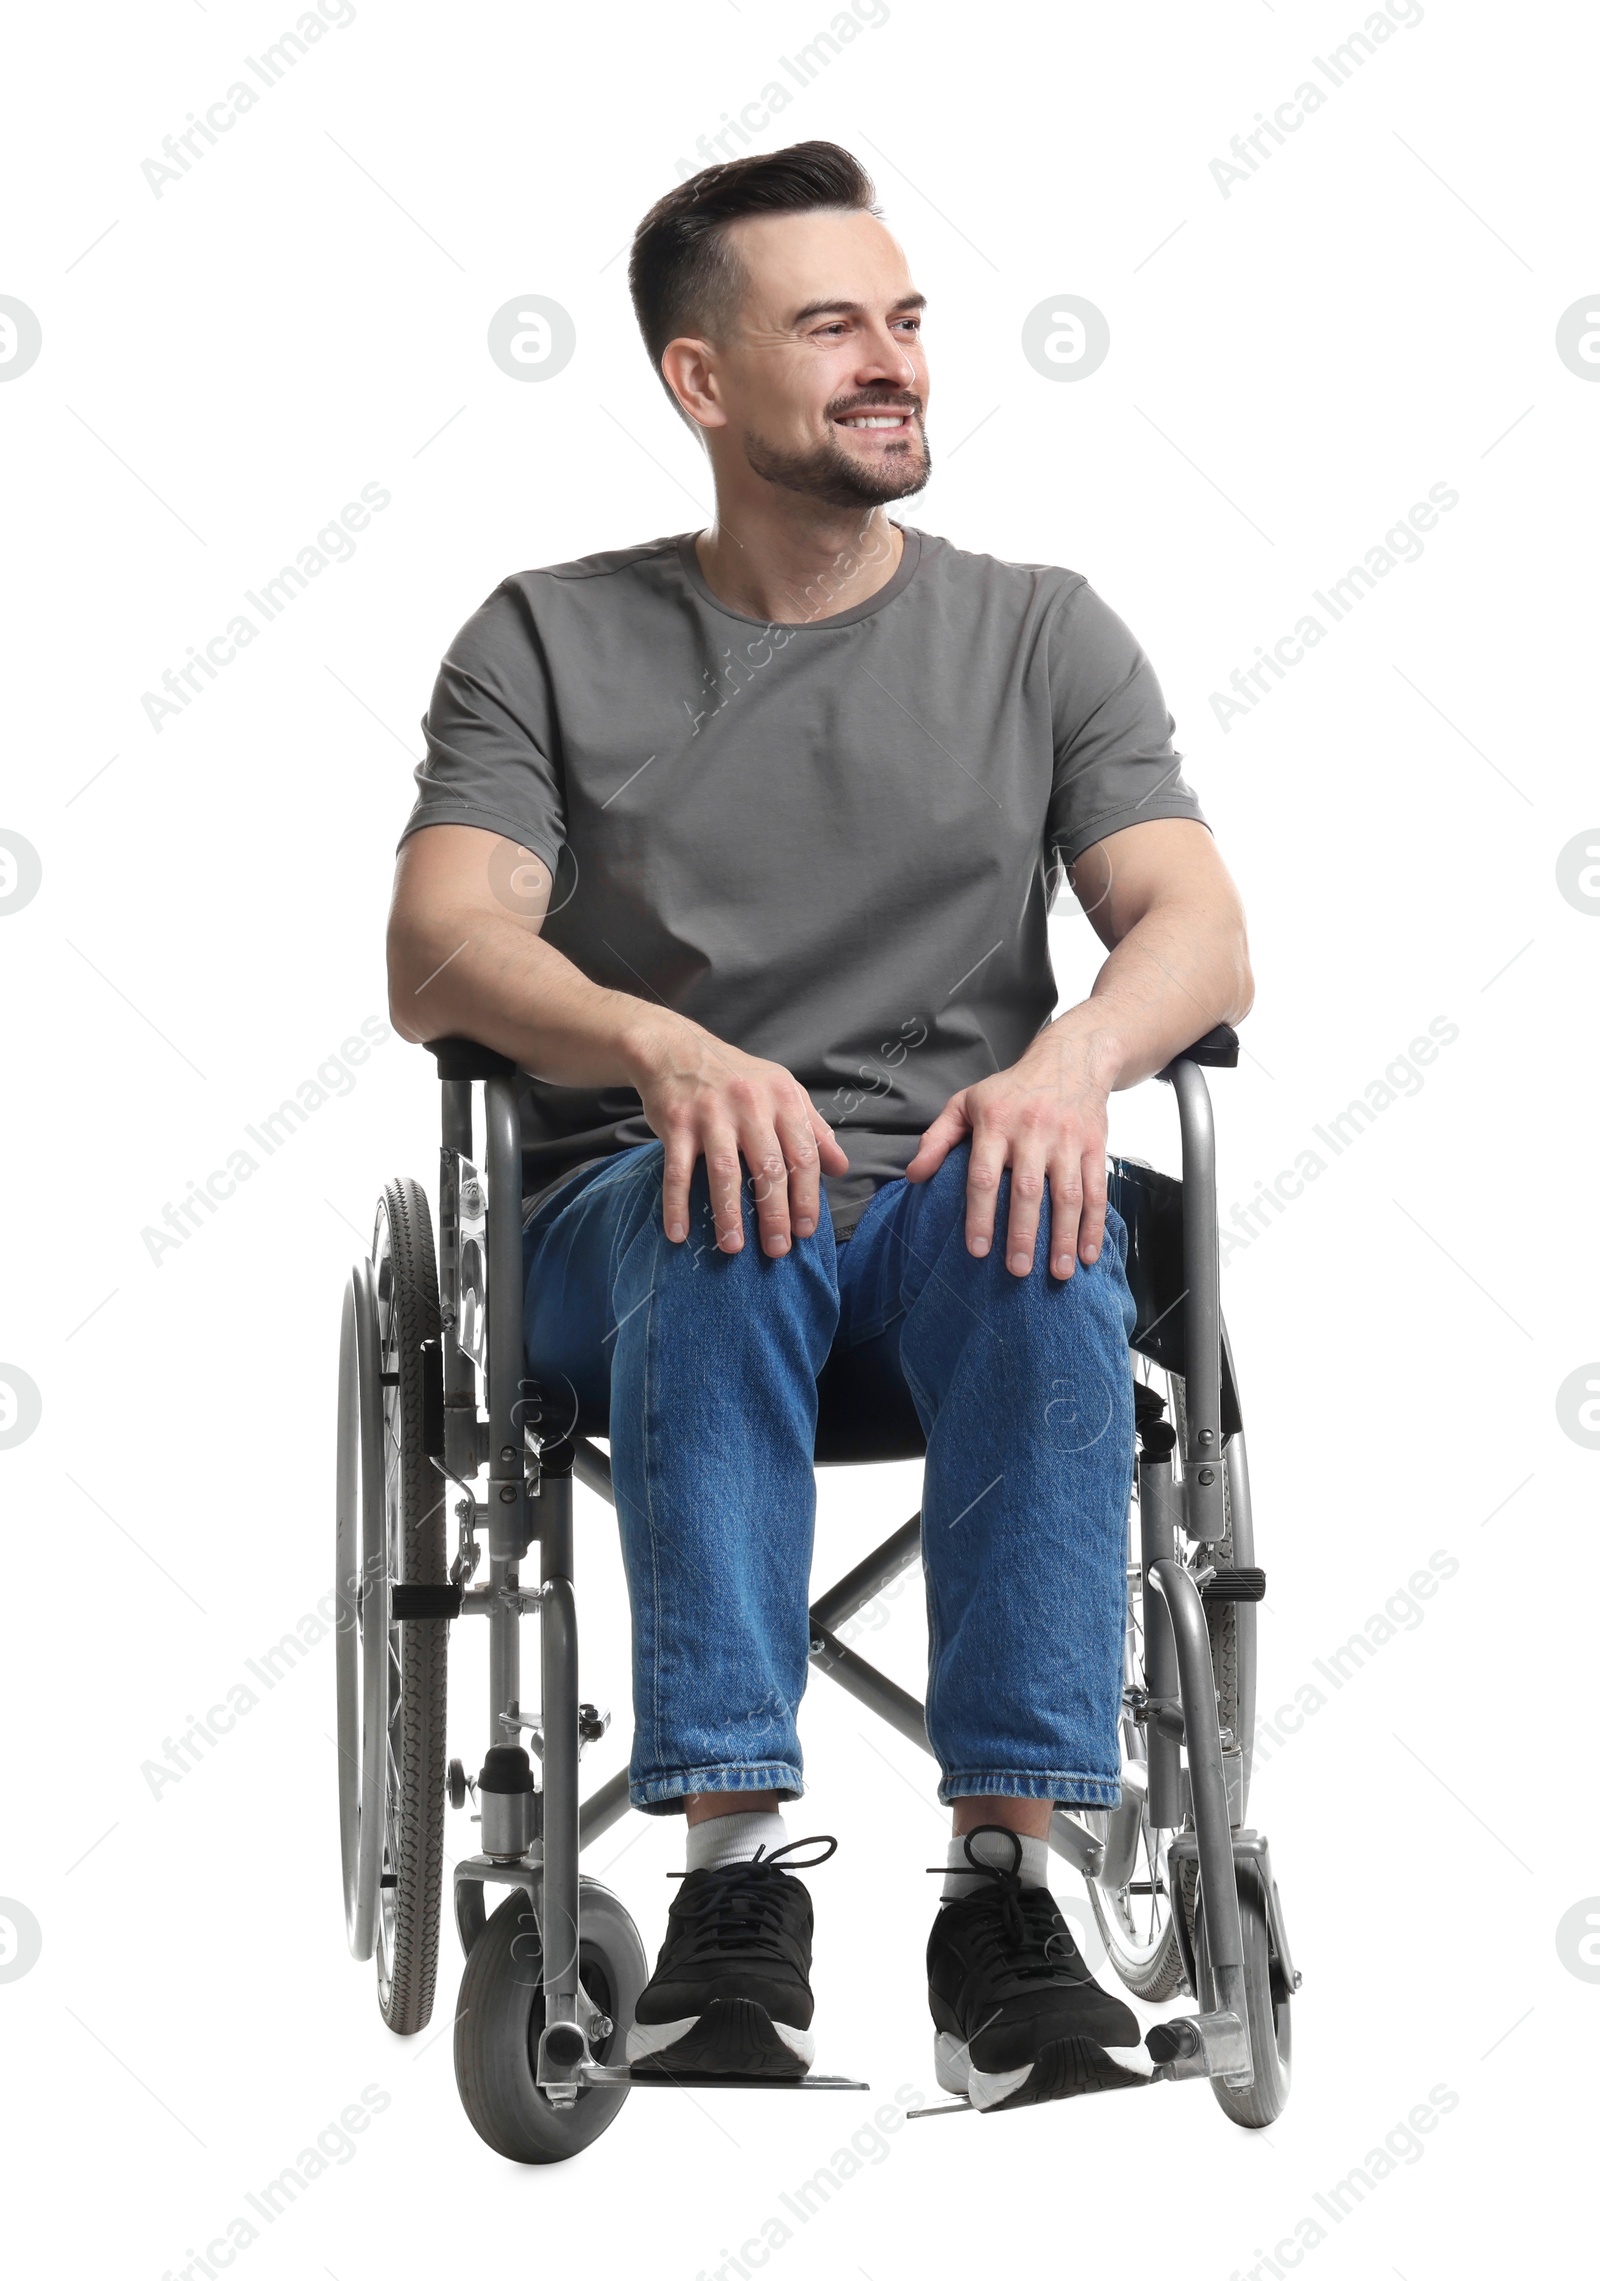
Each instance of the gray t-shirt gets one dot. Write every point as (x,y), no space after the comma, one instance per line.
(833,844)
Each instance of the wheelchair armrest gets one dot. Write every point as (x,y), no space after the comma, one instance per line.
(464,1058)
(1218,1049)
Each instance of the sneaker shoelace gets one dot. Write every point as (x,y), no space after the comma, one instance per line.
(1017,1929)
(740,1906)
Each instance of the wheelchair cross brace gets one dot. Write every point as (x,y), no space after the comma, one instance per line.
(520,1511)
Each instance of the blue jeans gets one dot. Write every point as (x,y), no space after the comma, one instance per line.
(709,1359)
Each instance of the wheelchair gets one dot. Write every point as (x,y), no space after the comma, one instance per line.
(433,1395)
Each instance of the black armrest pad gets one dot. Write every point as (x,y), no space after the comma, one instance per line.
(464,1058)
(1218,1049)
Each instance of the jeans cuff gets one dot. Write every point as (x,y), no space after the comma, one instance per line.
(1067,1789)
(665,1793)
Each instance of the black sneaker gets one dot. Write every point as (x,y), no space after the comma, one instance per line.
(1018,2015)
(730,1995)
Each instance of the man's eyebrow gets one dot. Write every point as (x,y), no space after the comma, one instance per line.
(854,308)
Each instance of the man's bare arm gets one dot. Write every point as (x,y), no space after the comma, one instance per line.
(1160,898)
(1162,901)
(466,960)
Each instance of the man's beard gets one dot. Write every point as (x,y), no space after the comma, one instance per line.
(827,472)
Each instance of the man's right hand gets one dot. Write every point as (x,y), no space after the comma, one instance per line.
(703,1097)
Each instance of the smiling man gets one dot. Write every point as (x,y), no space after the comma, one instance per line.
(741,844)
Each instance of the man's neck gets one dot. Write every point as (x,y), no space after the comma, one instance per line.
(790,570)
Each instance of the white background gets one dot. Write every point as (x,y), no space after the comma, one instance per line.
(1292,365)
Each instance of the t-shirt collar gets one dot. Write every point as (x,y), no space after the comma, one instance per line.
(905,570)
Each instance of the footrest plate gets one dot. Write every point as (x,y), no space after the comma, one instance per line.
(1195,2045)
(688,2082)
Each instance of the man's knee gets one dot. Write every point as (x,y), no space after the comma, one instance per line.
(809,1265)
(949,1196)
(1101,1282)
(945,1193)
(644,1185)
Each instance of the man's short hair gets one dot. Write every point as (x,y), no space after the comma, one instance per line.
(683,273)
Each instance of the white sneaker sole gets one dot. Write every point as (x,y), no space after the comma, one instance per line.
(955,2072)
(647,2042)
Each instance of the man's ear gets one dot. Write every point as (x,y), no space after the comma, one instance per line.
(688,368)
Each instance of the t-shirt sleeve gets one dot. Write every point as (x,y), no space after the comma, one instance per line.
(1115,762)
(490,734)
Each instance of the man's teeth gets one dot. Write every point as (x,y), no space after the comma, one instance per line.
(876,420)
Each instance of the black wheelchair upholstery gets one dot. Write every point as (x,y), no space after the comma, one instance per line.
(865,1414)
(1151,1205)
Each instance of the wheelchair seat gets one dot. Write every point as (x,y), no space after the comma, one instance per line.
(865,1414)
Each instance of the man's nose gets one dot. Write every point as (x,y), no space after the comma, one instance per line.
(886,359)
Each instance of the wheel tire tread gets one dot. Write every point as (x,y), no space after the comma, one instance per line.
(424,1673)
(1268,2095)
(494,2038)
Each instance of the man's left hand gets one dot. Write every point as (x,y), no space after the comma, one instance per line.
(1045,1117)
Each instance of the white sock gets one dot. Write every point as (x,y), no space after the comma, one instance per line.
(722,1838)
(996,1848)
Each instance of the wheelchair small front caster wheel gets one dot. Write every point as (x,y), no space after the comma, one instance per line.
(457,1779)
(500,2017)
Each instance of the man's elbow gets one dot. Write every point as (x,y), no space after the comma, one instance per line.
(409,973)
(1244,982)
(403,1017)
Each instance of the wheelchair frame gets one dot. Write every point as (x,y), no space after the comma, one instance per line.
(534,1837)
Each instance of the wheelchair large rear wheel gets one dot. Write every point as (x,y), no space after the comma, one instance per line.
(1267,1998)
(1133,1906)
(391,1676)
(500,2017)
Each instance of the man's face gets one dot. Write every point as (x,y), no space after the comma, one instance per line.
(823,381)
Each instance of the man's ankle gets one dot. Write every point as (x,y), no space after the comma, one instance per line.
(701,1805)
(1030,1856)
(715,1840)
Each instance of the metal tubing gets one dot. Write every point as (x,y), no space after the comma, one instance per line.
(1239,1506)
(869,1577)
(505,1648)
(456,1095)
(460,1378)
(1204,1514)
(1073,1842)
(1158,1514)
(508,1534)
(868,1685)
(558,1670)
(506,1491)
(1244,1556)
(1207,1784)
(1245,1635)
(593,1468)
